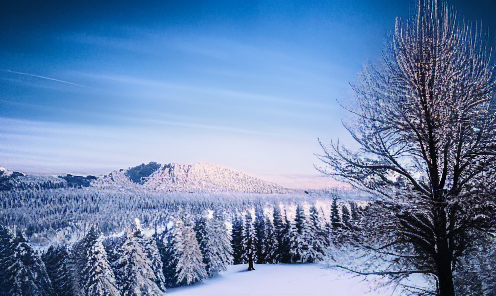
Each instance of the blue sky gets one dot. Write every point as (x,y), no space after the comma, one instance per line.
(93,86)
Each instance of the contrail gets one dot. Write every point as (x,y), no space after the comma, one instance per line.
(43,77)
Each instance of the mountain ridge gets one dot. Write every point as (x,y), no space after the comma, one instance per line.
(171,177)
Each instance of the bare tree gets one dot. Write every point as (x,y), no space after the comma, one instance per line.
(425,119)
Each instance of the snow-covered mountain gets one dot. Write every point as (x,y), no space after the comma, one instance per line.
(172,177)
(199,177)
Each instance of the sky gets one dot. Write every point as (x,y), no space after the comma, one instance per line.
(92,86)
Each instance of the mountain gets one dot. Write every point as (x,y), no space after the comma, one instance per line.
(199,177)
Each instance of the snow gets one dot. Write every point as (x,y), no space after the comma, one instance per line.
(283,279)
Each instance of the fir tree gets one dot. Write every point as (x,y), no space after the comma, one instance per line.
(151,251)
(279,229)
(335,219)
(249,242)
(261,234)
(289,242)
(190,267)
(300,245)
(224,250)
(345,216)
(56,261)
(317,236)
(214,243)
(23,272)
(237,240)
(271,243)
(93,271)
(166,243)
(134,273)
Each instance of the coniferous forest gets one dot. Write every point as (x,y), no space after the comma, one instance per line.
(85,242)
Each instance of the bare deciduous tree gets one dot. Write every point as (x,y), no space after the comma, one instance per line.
(425,119)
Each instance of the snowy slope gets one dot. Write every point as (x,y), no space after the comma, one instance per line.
(284,279)
(204,177)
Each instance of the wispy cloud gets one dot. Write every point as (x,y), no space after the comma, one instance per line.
(43,77)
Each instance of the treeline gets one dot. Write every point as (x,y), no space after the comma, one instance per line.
(186,249)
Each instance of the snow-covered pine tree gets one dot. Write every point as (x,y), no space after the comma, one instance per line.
(56,261)
(93,271)
(23,272)
(288,240)
(279,227)
(335,219)
(345,216)
(133,270)
(166,244)
(190,267)
(300,242)
(214,243)
(249,242)
(271,243)
(151,250)
(317,236)
(237,239)
(355,214)
(224,252)
(261,233)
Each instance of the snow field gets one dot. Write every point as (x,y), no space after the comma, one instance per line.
(283,279)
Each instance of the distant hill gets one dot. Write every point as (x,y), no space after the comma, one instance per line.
(199,177)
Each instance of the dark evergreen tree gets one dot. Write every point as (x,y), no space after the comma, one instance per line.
(214,242)
(288,241)
(355,214)
(279,229)
(261,234)
(166,246)
(317,236)
(249,242)
(94,276)
(335,219)
(134,273)
(302,249)
(151,250)
(345,216)
(56,261)
(23,272)
(237,239)
(271,243)
(190,267)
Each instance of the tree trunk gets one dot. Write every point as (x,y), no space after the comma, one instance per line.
(443,255)
(445,274)
(250,262)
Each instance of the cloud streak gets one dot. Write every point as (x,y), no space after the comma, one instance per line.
(43,77)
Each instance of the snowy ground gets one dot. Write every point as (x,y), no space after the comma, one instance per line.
(283,279)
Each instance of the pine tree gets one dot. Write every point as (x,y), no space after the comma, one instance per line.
(56,261)
(335,219)
(134,273)
(345,216)
(249,242)
(289,242)
(23,272)
(214,242)
(271,243)
(150,248)
(279,228)
(93,271)
(261,234)
(237,240)
(301,249)
(317,236)
(222,243)
(166,243)
(190,267)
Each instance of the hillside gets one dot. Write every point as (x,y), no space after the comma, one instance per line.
(199,177)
